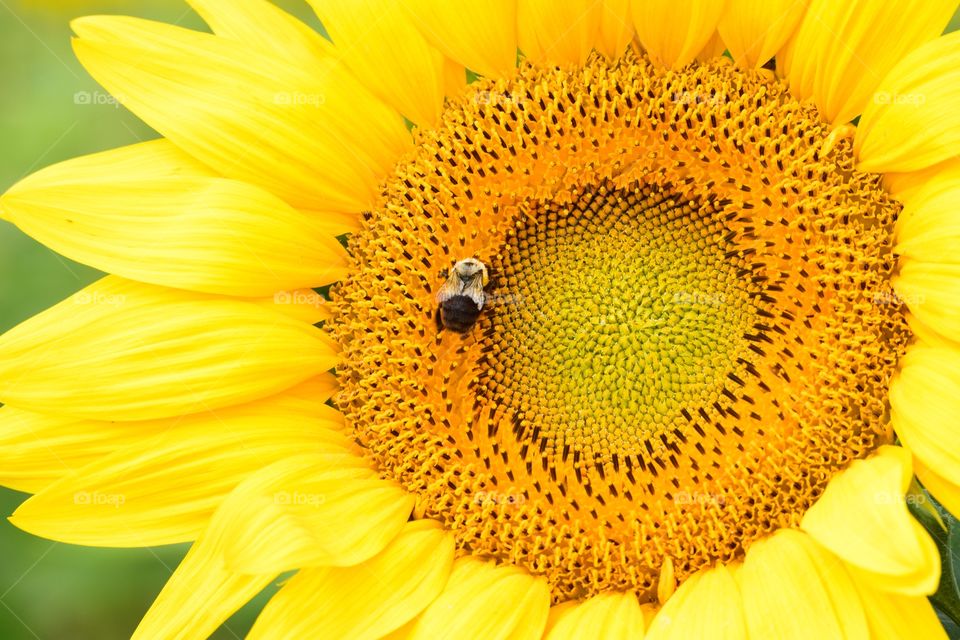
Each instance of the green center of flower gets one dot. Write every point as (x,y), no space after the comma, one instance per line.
(612,315)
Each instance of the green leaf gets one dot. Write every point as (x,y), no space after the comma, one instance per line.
(944,528)
(924,508)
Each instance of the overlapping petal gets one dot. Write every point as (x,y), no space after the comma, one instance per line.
(928,230)
(480,35)
(674,33)
(794,588)
(558,32)
(616,28)
(924,401)
(891,616)
(932,292)
(163,487)
(946,492)
(612,616)
(36,449)
(152,213)
(209,585)
(310,512)
(366,601)
(308,133)
(914,121)
(755,30)
(385,51)
(154,353)
(482,600)
(904,186)
(707,605)
(201,594)
(264,26)
(862,517)
(843,50)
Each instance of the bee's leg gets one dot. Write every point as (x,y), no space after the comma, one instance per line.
(439,319)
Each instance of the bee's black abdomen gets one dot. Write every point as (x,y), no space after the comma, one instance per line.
(459,313)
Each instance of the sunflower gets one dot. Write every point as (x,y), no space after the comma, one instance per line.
(716,343)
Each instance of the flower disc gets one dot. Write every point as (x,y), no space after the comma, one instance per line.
(689,327)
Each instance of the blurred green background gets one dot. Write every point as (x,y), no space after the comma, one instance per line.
(50,110)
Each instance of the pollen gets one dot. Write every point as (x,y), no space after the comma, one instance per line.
(689,326)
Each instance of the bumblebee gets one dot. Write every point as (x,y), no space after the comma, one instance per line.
(461,297)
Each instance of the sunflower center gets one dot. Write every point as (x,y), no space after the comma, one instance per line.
(689,329)
(621,310)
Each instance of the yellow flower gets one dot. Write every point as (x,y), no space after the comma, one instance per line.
(717,341)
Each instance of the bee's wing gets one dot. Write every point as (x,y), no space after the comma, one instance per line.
(474,290)
(451,287)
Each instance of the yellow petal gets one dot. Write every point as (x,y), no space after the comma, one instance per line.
(151,213)
(924,403)
(928,230)
(199,596)
(616,28)
(611,616)
(312,511)
(36,449)
(367,601)
(480,35)
(755,30)
(892,616)
(387,53)
(454,78)
(482,600)
(932,292)
(163,489)
(713,49)
(202,593)
(925,335)
(793,588)
(862,517)
(946,492)
(843,50)
(561,33)
(308,133)
(674,33)
(264,26)
(121,350)
(205,590)
(707,605)
(914,121)
(305,305)
(931,198)
(906,186)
